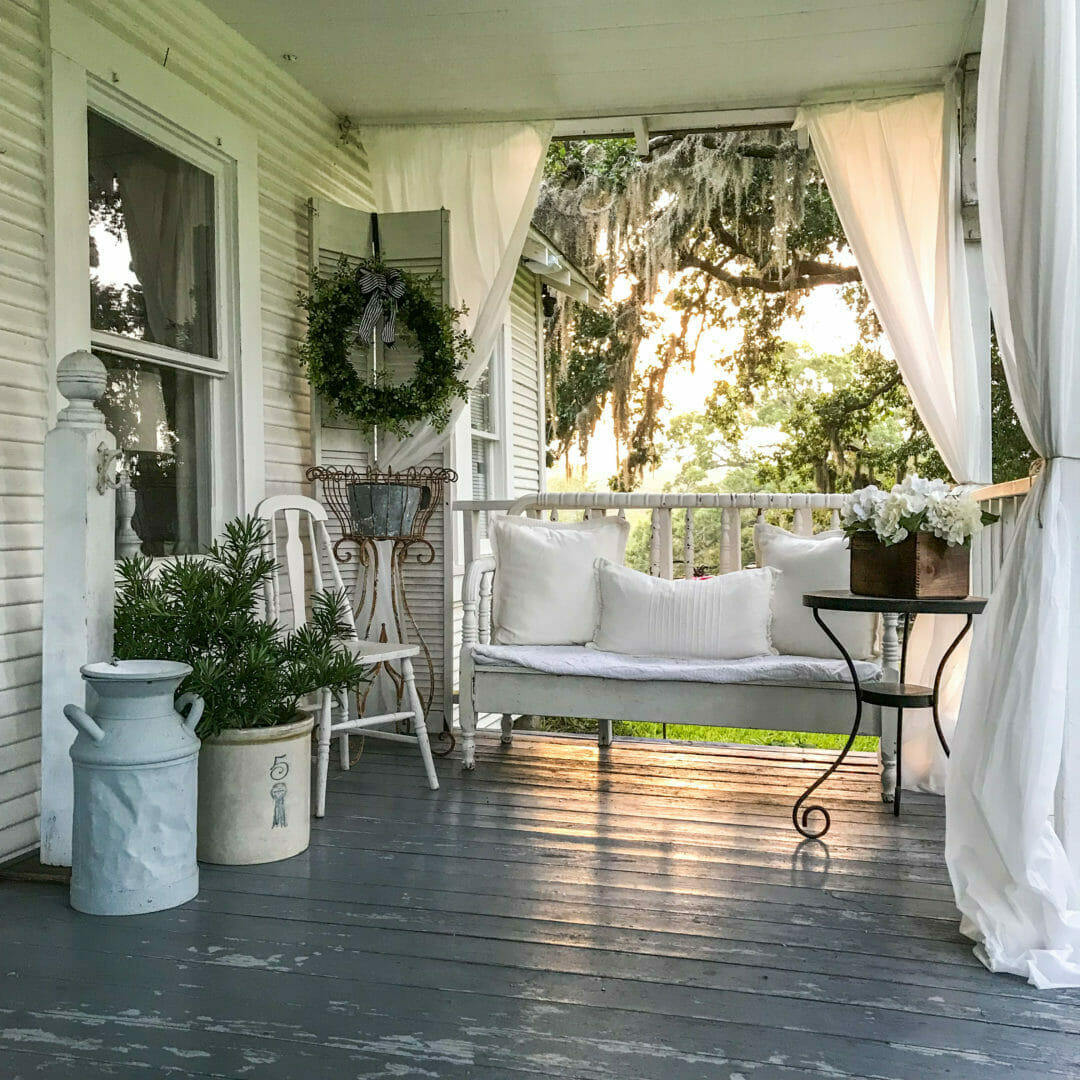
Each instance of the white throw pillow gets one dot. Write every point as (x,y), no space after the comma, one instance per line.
(721,618)
(545,584)
(808,564)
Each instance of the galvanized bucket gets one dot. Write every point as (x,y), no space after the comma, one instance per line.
(135,764)
(384,509)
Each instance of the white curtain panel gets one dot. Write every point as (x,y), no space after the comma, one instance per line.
(1013,795)
(892,167)
(487,176)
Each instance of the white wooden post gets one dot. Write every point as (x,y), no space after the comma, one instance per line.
(978,296)
(688,544)
(890,662)
(665,556)
(80,522)
(730,540)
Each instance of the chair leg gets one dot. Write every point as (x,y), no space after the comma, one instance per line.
(467,711)
(343,738)
(322,757)
(419,724)
(507,736)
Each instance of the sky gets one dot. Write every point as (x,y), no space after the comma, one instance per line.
(827,325)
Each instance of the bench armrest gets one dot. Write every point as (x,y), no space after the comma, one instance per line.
(476,601)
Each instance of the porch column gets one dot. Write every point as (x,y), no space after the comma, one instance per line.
(976,272)
(77,618)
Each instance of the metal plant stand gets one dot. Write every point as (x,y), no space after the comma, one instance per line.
(383,518)
(899,695)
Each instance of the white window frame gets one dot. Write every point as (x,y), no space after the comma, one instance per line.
(91,68)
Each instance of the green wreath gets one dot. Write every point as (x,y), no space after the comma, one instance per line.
(340,303)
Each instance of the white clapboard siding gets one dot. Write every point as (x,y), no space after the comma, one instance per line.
(24,404)
(525,400)
(416,242)
(300,154)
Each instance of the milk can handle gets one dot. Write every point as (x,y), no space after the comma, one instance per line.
(84,722)
(195,715)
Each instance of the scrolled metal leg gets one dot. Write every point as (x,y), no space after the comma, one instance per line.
(800,814)
(937,681)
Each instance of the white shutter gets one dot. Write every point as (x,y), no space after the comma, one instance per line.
(524,371)
(418,243)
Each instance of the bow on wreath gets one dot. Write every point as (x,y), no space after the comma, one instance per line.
(383,288)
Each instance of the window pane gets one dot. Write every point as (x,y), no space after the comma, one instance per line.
(151,241)
(481,477)
(154,412)
(480,403)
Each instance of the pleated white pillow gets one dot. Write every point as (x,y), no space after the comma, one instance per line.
(545,584)
(807,564)
(720,618)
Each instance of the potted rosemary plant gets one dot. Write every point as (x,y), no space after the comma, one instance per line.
(255,761)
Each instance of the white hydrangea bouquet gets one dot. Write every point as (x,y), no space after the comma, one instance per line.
(916,505)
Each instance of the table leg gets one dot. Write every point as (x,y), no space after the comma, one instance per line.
(800,815)
(937,681)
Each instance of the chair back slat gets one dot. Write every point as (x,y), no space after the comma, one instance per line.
(294,566)
(316,560)
(304,522)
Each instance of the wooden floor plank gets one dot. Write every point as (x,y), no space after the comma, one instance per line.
(639,913)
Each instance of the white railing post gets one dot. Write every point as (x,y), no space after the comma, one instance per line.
(665,555)
(78,579)
(730,540)
(688,544)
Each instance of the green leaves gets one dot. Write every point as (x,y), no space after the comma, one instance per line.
(207,611)
(335,305)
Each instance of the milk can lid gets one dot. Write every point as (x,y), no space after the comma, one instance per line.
(136,670)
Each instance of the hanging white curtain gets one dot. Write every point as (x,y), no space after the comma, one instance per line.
(892,167)
(487,176)
(1013,830)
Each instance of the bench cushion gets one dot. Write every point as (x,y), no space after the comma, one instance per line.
(582,660)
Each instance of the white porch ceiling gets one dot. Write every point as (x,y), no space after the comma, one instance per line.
(424,60)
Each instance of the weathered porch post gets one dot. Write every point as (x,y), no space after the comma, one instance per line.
(977,292)
(77,619)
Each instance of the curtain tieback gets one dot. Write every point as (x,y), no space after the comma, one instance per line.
(1038,466)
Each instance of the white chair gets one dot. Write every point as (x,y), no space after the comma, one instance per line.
(306,518)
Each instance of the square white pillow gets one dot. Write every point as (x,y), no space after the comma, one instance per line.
(722,618)
(807,564)
(545,584)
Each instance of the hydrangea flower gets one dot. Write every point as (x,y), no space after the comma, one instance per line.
(915,504)
(860,507)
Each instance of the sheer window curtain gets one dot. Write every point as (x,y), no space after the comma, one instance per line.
(892,167)
(166,203)
(1013,829)
(488,177)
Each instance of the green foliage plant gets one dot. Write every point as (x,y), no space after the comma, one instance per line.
(206,611)
(335,305)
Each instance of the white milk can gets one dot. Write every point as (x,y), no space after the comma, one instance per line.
(135,763)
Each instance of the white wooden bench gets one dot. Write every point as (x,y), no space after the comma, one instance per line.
(806,705)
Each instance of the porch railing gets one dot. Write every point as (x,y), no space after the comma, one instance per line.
(663,510)
(990,546)
(988,552)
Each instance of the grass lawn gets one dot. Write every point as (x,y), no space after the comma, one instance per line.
(690,733)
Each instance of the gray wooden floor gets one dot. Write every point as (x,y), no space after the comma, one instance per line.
(565,912)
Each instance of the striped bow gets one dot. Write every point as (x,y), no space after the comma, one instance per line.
(383,288)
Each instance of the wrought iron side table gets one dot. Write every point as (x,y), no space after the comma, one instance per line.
(898,695)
